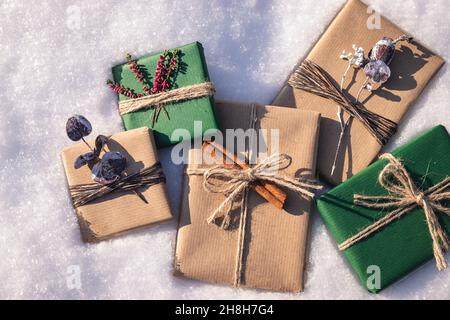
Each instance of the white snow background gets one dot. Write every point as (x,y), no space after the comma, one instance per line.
(54,59)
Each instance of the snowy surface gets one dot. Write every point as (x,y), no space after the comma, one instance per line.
(54,59)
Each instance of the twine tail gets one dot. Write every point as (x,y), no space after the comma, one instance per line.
(226,206)
(241,238)
(244,207)
(440,240)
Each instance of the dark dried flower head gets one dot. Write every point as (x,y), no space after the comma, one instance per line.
(109,168)
(78,127)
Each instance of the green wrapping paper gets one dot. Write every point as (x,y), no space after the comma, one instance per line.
(404,244)
(193,70)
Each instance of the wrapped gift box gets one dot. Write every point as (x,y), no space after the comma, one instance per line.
(404,244)
(275,239)
(182,114)
(412,68)
(119,211)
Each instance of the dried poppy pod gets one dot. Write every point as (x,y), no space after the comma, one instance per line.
(377,71)
(380,56)
(384,50)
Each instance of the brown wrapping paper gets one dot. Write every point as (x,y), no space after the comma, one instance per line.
(275,240)
(412,68)
(119,211)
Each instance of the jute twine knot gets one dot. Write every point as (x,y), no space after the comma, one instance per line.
(420,198)
(405,196)
(233,182)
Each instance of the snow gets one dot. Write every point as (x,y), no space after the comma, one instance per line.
(55,57)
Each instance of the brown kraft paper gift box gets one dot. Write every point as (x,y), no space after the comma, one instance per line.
(274,239)
(411,69)
(119,211)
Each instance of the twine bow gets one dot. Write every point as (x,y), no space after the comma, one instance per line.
(158,101)
(233,182)
(406,196)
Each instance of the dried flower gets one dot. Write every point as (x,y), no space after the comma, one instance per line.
(165,74)
(78,127)
(356,59)
(166,69)
(109,168)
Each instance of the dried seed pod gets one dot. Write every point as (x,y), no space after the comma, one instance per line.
(383,50)
(377,71)
(109,168)
(78,127)
(84,159)
(100,142)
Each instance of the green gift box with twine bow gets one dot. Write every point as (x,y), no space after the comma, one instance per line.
(166,91)
(394,216)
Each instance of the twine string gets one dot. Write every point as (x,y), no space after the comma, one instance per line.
(84,193)
(312,78)
(405,196)
(158,101)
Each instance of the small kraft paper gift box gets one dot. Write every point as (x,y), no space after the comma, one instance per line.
(259,243)
(385,71)
(121,206)
(394,216)
(166,91)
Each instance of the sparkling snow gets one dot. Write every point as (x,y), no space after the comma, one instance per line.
(55,57)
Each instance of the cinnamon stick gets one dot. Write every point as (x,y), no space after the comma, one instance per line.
(268,191)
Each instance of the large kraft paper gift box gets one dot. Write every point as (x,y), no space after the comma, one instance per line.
(274,239)
(405,243)
(119,211)
(192,71)
(412,68)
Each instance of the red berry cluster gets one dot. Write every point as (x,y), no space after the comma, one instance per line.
(119,88)
(165,71)
(139,74)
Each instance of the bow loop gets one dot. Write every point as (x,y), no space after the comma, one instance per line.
(405,196)
(395,179)
(273,164)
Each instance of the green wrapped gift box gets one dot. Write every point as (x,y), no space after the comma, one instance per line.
(404,244)
(182,114)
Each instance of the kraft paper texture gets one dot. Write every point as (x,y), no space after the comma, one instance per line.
(275,240)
